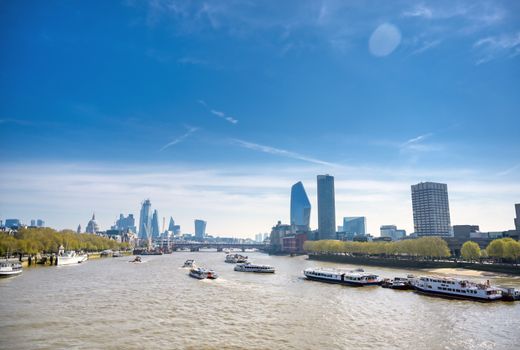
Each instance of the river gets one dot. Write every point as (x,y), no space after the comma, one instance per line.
(113,304)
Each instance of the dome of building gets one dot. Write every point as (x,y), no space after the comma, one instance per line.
(92,226)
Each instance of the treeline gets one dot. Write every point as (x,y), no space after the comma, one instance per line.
(433,247)
(46,240)
(499,249)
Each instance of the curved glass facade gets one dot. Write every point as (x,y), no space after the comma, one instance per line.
(300,208)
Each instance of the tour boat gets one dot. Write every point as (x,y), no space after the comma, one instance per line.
(201,273)
(456,288)
(9,269)
(236,258)
(190,263)
(357,278)
(71,257)
(137,259)
(402,283)
(248,267)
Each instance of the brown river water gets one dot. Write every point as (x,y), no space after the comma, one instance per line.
(113,304)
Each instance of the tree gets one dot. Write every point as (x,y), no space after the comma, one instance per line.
(512,250)
(496,249)
(470,251)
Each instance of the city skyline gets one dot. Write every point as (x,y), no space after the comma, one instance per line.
(215,110)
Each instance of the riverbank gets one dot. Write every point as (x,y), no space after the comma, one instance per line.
(415,264)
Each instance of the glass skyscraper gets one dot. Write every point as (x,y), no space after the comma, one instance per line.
(155,225)
(356,225)
(300,208)
(431,211)
(145,220)
(326,207)
(200,229)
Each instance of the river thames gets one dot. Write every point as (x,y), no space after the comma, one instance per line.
(113,304)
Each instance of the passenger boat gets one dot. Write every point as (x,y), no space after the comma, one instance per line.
(10,269)
(510,294)
(117,254)
(70,257)
(201,273)
(356,278)
(248,267)
(137,259)
(401,283)
(190,263)
(236,258)
(456,288)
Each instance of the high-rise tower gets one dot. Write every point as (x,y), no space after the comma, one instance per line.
(145,220)
(155,225)
(326,207)
(431,211)
(300,208)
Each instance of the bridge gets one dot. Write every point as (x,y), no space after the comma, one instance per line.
(196,246)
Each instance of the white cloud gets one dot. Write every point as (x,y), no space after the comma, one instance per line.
(179,139)
(280,152)
(219,114)
(426,45)
(494,47)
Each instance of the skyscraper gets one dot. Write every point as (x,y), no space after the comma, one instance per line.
(171,226)
(155,225)
(431,212)
(517,219)
(145,220)
(200,229)
(300,208)
(355,225)
(125,223)
(326,207)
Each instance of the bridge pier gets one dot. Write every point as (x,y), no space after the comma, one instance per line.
(243,249)
(194,249)
(219,249)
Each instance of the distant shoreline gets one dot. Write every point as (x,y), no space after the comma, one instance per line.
(415,264)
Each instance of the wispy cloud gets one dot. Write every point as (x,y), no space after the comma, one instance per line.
(181,138)
(280,152)
(494,47)
(509,170)
(426,45)
(417,144)
(219,114)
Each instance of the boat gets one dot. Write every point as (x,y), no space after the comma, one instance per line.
(70,257)
(117,254)
(350,278)
(248,267)
(10,269)
(456,288)
(189,263)
(201,273)
(137,259)
(510,294)
(107,252)
(236,259)
(401,283)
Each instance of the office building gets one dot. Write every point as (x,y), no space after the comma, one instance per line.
(392,232)
(171,225)
(355,225)
(200,229)
(517,219)
(300,208)
(33,222)
(145,220)
(92,225)
(463,232)
(431,212)
(155,225)
(78,230)
(125,223)
(40,223)
(13,223)
(326,207)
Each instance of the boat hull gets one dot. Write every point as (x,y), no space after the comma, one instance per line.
(5,274)
(63,260)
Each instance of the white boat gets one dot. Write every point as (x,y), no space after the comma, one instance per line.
(201,273)
(248,267)
(352,278)
(190,263)
(70,257)
(236,258)
(456,288)
(9,269)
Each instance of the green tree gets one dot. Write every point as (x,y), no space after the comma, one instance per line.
(470,251)
(495,249)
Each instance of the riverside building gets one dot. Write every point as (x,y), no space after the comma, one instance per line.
(326,207)
(431,212)
(300,208)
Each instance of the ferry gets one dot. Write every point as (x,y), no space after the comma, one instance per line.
(201,273)
(357,278)
(190,263)
(236,258)
(456,288)
(10,269)
(401,283)
(248,267)
(70,257)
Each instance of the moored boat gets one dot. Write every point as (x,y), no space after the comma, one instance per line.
(236,259)
(248,267)
(10,269)
(70,257)
(456,288)
(401,283)
(510,294)
(356,278)
(190,263)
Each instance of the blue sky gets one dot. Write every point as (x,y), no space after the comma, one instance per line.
(214,109)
